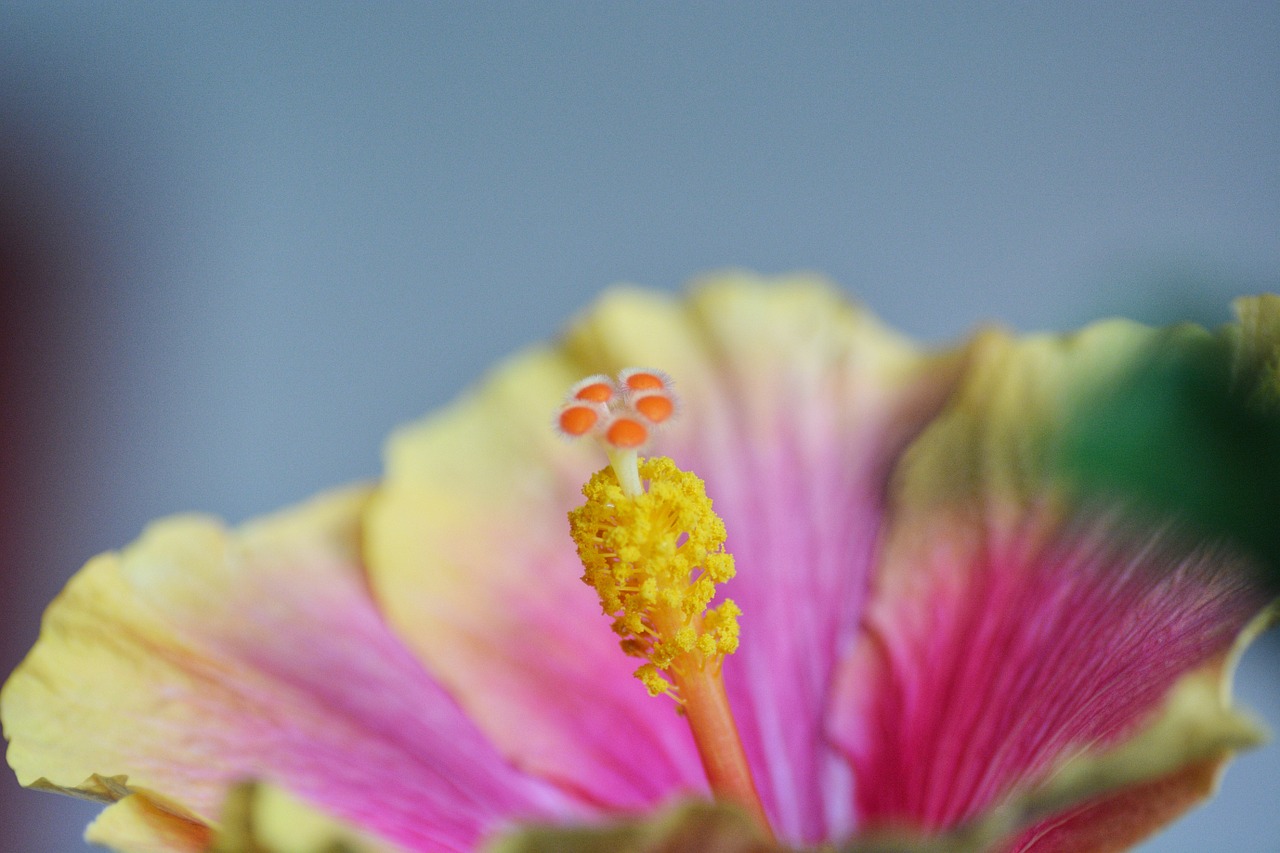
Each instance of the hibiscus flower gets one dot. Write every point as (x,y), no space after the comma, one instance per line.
(942,645)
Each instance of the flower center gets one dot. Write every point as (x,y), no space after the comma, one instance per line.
(653,549)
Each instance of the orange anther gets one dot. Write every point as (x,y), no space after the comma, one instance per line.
(596,392)
(656,407)
(626,434)
(578,420)
(644,381)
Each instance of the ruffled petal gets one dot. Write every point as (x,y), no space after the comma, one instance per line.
(1112,796)
(692,827)
(1193,432)
(1012,625)
(254,818)
(199,657)
(141,823)
(258,817)
(793,406)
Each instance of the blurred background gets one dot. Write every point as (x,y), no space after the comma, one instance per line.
(241,242)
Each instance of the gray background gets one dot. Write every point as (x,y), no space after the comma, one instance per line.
(254,239)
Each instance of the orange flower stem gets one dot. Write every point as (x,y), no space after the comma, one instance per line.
(706,706)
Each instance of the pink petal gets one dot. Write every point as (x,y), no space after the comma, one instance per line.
(1009,627)
(198,658)
(812,401)
(1120,821)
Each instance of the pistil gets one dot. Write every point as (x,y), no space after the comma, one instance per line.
(653,550)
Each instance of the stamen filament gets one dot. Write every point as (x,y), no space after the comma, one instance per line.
(706,706)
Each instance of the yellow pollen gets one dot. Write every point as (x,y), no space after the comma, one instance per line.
(655,558)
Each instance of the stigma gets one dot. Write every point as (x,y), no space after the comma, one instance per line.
(622,416)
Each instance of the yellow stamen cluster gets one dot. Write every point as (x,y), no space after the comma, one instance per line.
(655,559)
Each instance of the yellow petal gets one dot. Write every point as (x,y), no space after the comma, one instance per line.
(693,827)
(261,818)
(1257,345)
(145,823)
(113,687)
(201,656)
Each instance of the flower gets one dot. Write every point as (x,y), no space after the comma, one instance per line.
(941,643)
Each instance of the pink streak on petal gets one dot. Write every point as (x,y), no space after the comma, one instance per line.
(996,661)
(802,535)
